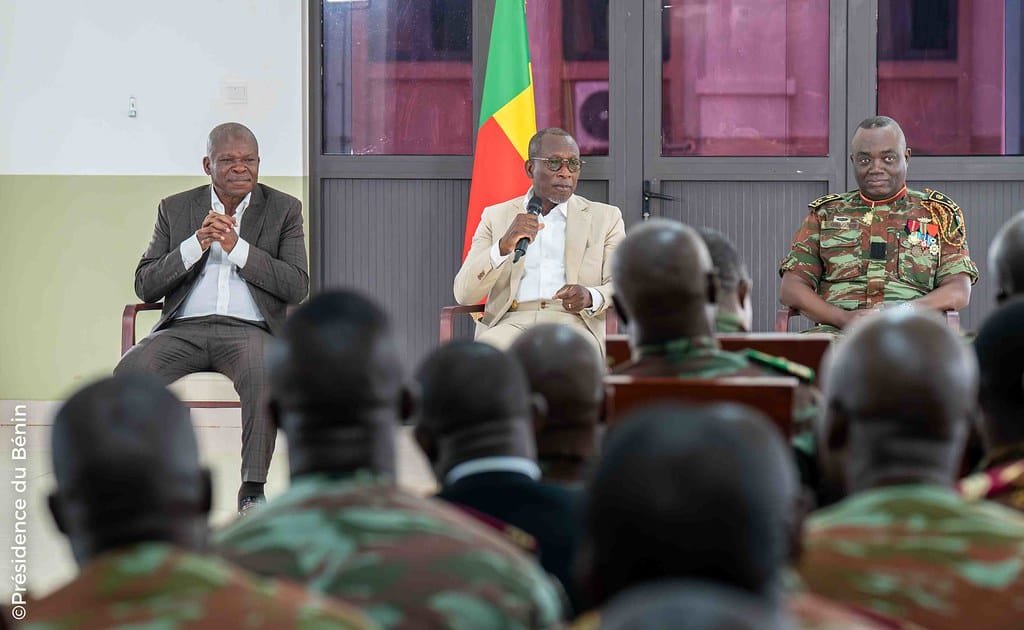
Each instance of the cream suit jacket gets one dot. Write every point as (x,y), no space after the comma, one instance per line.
(592,232)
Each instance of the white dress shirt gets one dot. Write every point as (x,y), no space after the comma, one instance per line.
(219,289)
(544,262)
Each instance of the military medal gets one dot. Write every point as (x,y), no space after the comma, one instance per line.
(913,233)
(868,218)
(934,249)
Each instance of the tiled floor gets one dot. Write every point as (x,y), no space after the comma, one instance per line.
(49,560)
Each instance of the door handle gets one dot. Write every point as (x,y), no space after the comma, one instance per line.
(650,194)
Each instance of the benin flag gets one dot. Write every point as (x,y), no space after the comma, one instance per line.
(507,116)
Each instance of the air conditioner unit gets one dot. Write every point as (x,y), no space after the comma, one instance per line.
(590,116)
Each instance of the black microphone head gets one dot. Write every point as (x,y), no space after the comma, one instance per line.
(535,205)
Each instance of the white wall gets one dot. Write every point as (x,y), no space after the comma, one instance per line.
(67,69)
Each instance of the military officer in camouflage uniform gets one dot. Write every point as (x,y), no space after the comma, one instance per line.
(898,393)
(343,527)
(733,311)
(133,501)
(1000,349)
(882,244)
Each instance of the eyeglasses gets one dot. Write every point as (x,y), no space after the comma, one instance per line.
(555,164)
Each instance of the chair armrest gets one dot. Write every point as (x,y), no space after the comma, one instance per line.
(782,317)
(131,311)
(448,314)
(611,321)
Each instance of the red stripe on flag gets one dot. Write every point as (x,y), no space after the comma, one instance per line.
(498,175)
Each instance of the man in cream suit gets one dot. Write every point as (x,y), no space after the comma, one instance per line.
(226,259)
(565,276)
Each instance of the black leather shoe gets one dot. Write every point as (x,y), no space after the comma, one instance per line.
(247,504)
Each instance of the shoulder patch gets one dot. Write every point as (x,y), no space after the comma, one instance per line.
(934,195)
(780,364)
(820,201)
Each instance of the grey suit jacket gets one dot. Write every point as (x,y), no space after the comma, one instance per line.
(592,232)
(276,271)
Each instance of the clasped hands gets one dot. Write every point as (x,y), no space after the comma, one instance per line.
(220,228)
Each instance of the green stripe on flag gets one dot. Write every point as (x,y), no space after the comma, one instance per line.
(508,58)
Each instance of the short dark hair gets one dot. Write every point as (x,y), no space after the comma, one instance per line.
(223,131)
(729,266)
(534,146)
(877,122)
(466,383)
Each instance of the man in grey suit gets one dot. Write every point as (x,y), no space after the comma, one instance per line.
(226,259)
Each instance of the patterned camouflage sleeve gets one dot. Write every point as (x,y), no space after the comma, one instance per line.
(803,257)
(954,260)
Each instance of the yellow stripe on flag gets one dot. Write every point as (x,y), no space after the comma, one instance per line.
(517,119)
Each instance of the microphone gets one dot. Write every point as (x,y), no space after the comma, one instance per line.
(533,207)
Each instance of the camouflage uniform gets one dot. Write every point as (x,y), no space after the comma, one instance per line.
(407,561)
(155,585)
(702,357)
(728,323)
(919,553)
(859,255)
(1001,479)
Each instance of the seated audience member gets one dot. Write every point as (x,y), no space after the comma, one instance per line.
(695,493)
(133,501)
(703,606)
(733,308)
(475,427)
(565,371)
(344,527)
(1006,258)
(665,285)
(898,393)
(226,259)
(1000,350)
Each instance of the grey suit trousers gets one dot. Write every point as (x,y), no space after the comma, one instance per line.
(215,343)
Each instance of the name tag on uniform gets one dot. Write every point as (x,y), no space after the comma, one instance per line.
(837,223)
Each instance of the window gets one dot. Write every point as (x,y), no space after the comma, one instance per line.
(397,77)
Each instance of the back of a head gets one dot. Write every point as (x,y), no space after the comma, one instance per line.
(661,264)
(336,358)
(702,493)
(703,606)
(467,384)
(999,347)
(729,267)
(126,463)
(564,368)
(905,371)
(1006,258)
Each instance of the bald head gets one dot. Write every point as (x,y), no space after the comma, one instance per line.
(1006,258)
(899,378)
(704,492)
(662,271)
(127,467)
(464,384)
(475,403)
(222,133)
(564,368)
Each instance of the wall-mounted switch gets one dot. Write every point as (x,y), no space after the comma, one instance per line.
(132,112)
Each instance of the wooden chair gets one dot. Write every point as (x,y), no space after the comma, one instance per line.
(128,318)
(807,349)
(771,395)
(448,313)
(785,313)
